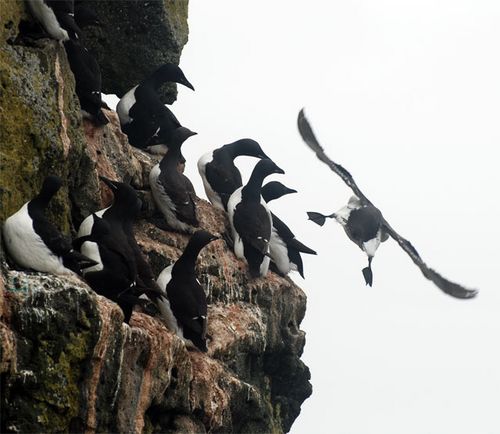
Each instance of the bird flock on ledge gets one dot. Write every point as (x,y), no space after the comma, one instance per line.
(105,252)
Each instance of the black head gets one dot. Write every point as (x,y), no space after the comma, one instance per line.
(172,73)
(51,185)
(267,167)
(274,190)
(125,197)
(247,147)
(179,136)
(201,238)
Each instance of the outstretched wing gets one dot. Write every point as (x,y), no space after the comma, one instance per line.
(450,288)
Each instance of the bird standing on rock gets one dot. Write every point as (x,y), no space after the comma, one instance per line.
(284,248)
(185,311)
(115,275)
(54,16)
(143,117)
(121,216)
(34,242)
(251,221)
(87,81)
(363,224)
(173,192)
(219,174)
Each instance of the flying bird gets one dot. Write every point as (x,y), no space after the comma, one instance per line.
(362,224)
(450,288)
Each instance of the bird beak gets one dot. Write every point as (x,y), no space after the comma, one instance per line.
(278,170)
(290,191)
(186,83)
(108,182)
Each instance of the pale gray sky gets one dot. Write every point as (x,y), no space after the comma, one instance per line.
(406,95)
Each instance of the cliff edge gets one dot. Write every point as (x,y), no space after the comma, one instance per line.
(67,361)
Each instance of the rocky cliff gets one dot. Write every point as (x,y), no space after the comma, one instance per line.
(68,363)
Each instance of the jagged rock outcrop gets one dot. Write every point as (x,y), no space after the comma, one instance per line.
(67,361)
(128,26)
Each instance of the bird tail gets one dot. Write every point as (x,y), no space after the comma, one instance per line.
(301,247)
(367,272)
(318,218)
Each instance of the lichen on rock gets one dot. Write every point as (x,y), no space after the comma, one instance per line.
(67,361)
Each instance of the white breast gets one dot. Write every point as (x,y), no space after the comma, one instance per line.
(27,248)
(91,250)
(47,18)
(233,201)
(371,246)
(86,226)
(213,197)
(124,105)
(164,305)
(279,253)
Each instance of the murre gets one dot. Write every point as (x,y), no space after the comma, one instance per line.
(284,248)
(185,311)
(219,174)
(251,221)
(35,243)
(362,224)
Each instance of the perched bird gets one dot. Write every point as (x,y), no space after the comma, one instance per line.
(120,216)
(34,242)
(284,248)
(87,81)
(251,221)
(125,208)
(363,224)
(185,311)
(115,274)
(143,117)
(220,176)
(54,16)
(172,191)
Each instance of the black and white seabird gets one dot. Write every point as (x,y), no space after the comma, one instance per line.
(251,221)
(87,81)
(121,216)
(173,192)
(284,248)
(143,117)
(185,311)
(363,224)
(34,242)
(56,17)
(115,274)
(220,176)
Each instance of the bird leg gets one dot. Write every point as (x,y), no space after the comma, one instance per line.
(367,272)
